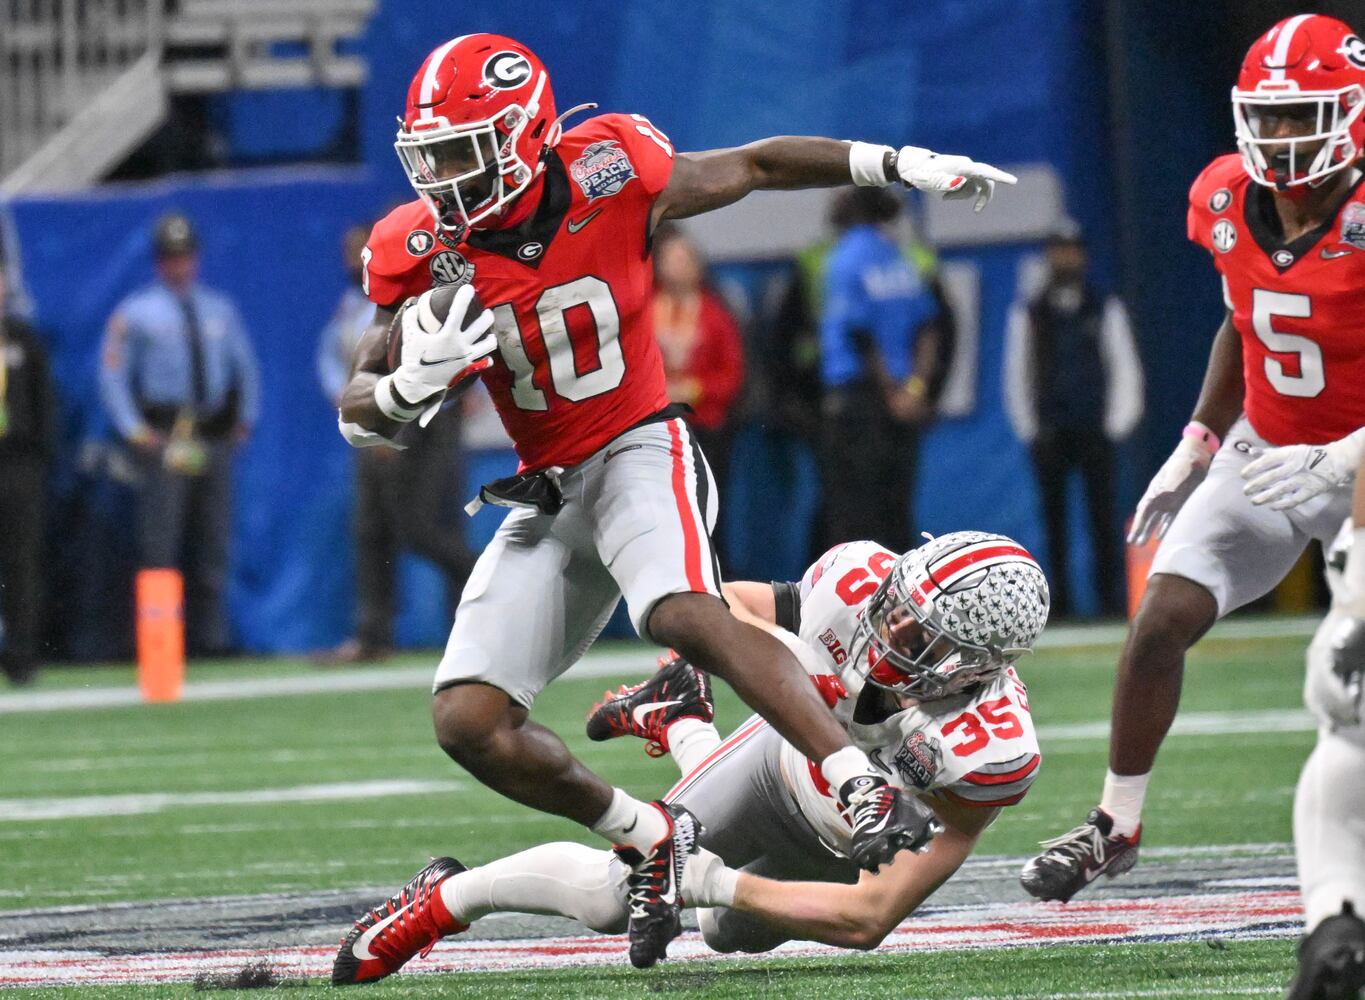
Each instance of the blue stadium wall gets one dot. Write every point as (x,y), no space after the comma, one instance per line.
(1006,80)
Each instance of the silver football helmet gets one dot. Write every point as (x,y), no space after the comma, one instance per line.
(951,614)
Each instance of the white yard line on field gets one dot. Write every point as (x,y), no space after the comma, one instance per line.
(1271,720)
(73,807)
(605,663)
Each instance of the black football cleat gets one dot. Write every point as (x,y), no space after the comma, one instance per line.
(1331,960)
(1075,859)
(677,690)
(408,924)
(654,886)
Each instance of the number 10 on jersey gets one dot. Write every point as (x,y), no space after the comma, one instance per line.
(573,376)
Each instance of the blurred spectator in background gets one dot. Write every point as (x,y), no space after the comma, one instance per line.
(878,357)
(700,342)
(179,381)
(27,424)
(1073,389)
(402,497)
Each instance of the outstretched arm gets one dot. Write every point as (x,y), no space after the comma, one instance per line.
(852,916)
(702,182)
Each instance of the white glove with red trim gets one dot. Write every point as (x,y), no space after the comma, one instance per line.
(435,353)
(949,175)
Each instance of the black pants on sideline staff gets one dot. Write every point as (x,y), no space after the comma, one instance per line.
(867,469)
(23,499)
(183,522)
(404,502)
(1055,453)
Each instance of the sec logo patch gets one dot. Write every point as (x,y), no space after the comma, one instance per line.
(450,268)
(1224,236)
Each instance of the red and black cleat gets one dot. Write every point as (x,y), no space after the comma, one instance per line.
(408,924)
(677,690)
(654,886)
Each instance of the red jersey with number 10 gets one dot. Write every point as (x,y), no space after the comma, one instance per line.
(1299,306)
(571,289)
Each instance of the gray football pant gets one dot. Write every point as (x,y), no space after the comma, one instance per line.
(753,824)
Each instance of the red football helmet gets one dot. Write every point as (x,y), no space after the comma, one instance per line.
(1299,103)
(480,113)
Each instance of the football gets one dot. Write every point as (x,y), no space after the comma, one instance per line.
(432,310)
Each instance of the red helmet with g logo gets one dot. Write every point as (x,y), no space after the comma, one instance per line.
(1299,103)
(480,113)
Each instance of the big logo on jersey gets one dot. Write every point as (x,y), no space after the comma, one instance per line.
(919,759)
(602,170)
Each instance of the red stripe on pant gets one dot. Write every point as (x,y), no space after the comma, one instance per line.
(691,541)
(732,743)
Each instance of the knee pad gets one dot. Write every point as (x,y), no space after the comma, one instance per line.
(1323,691)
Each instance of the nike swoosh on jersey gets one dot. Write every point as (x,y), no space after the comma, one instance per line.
(576,225)
(1330,254)
(643,710)
(361,948)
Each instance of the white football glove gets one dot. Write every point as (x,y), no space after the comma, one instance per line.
(1169,489)
(1286,477)
(950,176)
(433,361)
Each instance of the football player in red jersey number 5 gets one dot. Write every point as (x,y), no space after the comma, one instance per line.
(1266,463)
(614,498)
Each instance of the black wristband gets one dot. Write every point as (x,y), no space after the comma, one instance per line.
(889,167)
(787,600)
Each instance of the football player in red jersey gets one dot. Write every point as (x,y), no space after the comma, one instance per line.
(613,498)
(1265,464)
(937,700)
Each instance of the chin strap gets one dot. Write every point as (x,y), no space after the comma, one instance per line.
(557,129)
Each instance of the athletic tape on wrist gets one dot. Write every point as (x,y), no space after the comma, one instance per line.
(1195,431)
(391,404)
(867,164)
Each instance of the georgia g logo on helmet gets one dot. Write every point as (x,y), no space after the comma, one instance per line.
(1353,49)
(506,70)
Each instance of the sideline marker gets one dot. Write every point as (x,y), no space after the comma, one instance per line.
(1139,559)
(160,634)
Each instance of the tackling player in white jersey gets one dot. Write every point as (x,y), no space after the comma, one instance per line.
(914,655)
(1329,806)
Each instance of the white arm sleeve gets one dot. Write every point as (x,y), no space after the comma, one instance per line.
(1122,372)
(1020,406)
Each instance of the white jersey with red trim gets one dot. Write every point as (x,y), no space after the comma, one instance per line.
(979,749)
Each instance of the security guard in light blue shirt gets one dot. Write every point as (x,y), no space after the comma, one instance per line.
(878,353)
(179,381)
